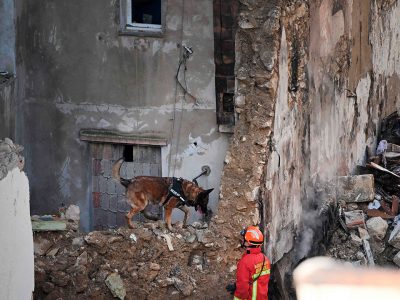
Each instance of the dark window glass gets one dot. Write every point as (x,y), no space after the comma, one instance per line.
(146,11)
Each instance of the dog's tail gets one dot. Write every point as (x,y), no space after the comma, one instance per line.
(116,172)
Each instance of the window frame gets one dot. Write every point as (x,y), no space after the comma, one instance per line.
(140,29)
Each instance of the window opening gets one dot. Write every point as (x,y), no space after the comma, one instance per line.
(128,153)
(143,14)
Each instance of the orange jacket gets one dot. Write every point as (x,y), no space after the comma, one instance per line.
(248,269)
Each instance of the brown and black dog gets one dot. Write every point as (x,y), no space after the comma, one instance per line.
(143,190)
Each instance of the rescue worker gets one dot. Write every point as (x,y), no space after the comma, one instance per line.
(253,269)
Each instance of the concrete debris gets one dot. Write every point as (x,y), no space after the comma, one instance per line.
(394,238)
(73,213)
(354,219)
(10,157)
(104,264)
(377,228)
(52,252)
(374,204)
(396,259)
(116,285)
(358,188)
(184,287)
(133,237)
(41,245)
(169,243)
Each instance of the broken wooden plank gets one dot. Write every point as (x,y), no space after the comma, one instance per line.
(380,168)
(39,225)
(368,252)
(378,213)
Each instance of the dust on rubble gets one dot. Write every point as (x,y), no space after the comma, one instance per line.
(136,262)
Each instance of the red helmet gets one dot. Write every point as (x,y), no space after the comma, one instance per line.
(253,235)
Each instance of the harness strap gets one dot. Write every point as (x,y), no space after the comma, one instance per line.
(175,190)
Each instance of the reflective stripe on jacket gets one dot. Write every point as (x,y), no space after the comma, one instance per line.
(248,284)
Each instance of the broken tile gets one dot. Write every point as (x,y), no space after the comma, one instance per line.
(359,188)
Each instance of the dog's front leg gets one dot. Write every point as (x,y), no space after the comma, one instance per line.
(186,210)
(168,216)
(130,214)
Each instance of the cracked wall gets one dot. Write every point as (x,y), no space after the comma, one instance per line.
(314,78)
(84,74)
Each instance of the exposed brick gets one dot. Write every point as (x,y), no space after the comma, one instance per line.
(96,199)
(107,151)
(104,201)
(95,184)
(96,167)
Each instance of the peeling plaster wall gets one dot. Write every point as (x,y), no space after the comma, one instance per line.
(78,72)
(331,74)
(16,251)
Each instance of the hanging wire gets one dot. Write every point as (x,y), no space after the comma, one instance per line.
(175,97)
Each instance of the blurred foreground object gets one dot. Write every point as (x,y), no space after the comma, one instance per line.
(323,278)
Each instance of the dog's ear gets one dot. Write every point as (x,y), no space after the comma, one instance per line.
(208,191)
(204,194)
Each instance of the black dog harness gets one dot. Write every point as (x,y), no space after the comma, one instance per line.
(175,190)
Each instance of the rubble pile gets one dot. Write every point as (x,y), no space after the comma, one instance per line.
(147,262)
(369,206)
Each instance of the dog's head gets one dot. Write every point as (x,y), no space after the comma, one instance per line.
(198,196)
(201,201)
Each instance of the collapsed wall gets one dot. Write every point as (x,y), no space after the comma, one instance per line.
(313,79)
(16,251)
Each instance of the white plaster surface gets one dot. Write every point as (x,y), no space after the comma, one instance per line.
(16,240)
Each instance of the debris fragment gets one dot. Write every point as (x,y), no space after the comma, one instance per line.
(394,238)
(380,168)
(116,285)
(72,213)
(169,243)
(354,218)
(40,225)
(359,188)
(377,227)
(133,237)
(368,252)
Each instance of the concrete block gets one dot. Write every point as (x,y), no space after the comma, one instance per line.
(111,187)
(359,188)
(377,228)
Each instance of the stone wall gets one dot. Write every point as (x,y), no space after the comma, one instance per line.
(314,79)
